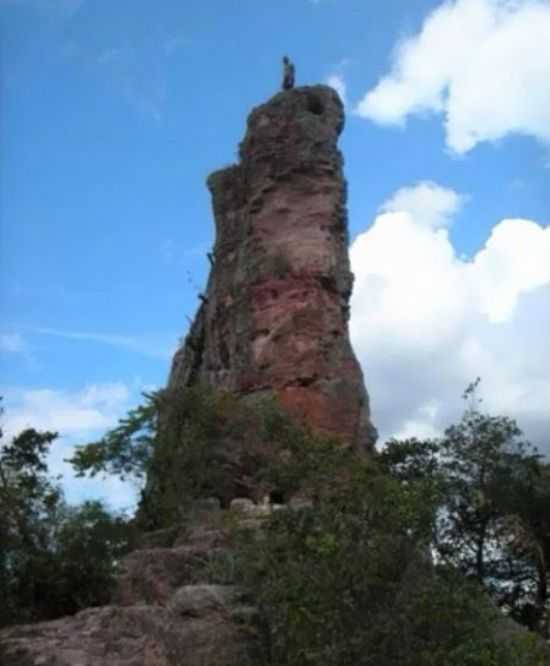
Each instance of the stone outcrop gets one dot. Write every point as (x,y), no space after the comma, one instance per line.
(124,636)
(274,315)
(174,604)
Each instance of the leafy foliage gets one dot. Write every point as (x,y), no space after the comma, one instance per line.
(197,442)
(125,450)
(54,559)
(350,579)
(494,517)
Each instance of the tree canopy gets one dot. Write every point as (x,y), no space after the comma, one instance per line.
(493,521)
(55,559)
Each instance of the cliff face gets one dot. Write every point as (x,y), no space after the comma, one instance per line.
(274,316)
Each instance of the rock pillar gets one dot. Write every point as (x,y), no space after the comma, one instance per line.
(274,315)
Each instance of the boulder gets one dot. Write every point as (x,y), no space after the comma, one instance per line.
(199,600)
(129,636)
(150,576)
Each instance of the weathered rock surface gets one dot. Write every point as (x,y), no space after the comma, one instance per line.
(274,316)
(150,575)
(199,600)
(167,613)
(129,636)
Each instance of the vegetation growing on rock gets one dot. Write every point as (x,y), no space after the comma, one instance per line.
(199,442)
(402,559)
(394,557)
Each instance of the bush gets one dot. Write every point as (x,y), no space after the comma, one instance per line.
(350,580)
(197,442)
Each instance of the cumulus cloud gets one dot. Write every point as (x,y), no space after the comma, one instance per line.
(515,260)
(96,407)
(428,203)
(79,416)
(425,321)
(337,82)
(483,64)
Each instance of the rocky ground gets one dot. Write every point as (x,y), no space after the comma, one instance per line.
(174,604)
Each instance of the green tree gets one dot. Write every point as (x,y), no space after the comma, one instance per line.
(124,451)
(54,559)
(196,442)
(523,494)
(494,495)
(87,546)
(350,579)
(29,508)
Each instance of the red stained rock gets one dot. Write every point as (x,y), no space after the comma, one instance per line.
(276,311)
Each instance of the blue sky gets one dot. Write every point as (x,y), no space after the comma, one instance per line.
(112,114)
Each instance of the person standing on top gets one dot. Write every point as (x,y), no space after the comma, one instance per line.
(288,74)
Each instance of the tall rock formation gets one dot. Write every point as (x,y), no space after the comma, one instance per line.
(274,316)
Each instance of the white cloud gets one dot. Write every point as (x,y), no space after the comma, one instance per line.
(81,413)
(79,416)
(515,260)
(12,343)
(482,63)
(428,203)
(114,492)
(425,322)
(421,424)
(337,82)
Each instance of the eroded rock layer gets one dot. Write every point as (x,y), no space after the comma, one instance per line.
(274,316)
